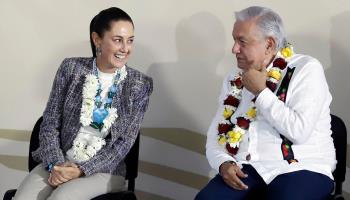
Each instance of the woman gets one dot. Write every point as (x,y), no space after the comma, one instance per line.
(92,117)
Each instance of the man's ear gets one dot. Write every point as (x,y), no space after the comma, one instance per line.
(270,45)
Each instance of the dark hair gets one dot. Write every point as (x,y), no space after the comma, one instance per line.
(102,23)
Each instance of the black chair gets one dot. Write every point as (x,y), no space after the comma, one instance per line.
(340,142)
(131,161)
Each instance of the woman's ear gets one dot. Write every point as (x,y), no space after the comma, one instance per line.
(96,39)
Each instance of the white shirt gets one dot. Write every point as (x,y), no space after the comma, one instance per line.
(304,119)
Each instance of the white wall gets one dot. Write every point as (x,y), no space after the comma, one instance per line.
(184,45)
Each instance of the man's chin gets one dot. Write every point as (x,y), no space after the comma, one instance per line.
(242,67)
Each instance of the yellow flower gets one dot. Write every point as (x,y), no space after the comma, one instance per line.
(230,134)
(234,134)
(227,113)
(251,113)
(275,74)
(287,52)
(222,140)
(233,140)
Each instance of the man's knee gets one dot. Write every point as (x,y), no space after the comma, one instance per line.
(200,196)
(204,195)
(210,189)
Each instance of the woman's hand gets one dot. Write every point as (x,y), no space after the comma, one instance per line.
(68,172)
(56,179)
(63,173)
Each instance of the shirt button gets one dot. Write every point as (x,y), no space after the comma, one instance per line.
(248,157)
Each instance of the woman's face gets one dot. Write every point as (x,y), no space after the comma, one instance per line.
(116,44)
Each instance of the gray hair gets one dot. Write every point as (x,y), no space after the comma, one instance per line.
(269,22)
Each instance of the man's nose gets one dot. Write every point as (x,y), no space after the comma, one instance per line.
(235,48)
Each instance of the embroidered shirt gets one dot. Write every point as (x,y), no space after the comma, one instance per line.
(304,119)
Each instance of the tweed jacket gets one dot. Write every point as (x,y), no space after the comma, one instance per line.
(61,118)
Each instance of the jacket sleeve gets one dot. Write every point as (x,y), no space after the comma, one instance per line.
(49,136)
(109,157)
(216,154)
(307,98)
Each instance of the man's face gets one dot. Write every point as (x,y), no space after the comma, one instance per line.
(250,46)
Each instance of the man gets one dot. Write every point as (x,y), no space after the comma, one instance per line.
(271,137)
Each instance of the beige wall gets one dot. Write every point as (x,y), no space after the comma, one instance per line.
(184,45)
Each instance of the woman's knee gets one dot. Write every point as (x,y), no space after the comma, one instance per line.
(66,192)
(60,194)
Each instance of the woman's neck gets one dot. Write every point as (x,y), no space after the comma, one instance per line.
(103,66)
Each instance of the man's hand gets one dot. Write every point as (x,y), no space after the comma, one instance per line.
(63,173)
(254,80)
(231,174)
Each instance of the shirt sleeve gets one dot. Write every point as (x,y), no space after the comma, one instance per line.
(307,97)
(216,154)
(49,140)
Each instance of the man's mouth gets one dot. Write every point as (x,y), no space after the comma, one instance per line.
(239,59)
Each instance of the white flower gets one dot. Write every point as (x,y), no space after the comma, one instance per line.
(236,92)
(239,130)
(272,80)
(89,93)
(123,73)
(109,120)
(85,146)
(234,145)
(229,107)
(90,86)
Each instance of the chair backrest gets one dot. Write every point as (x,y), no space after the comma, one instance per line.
(34,144)
(339,135)
(132,163)
(131,160)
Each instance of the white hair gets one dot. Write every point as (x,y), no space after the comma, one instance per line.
(269,22)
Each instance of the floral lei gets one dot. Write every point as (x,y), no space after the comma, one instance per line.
(90,91)
(231,134)
(85,146)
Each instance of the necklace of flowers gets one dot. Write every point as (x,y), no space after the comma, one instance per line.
(85,146)
(231,134)
(94,112)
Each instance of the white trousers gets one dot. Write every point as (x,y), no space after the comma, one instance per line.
(36,187)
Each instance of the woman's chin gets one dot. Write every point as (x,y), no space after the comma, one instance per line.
(119,64)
